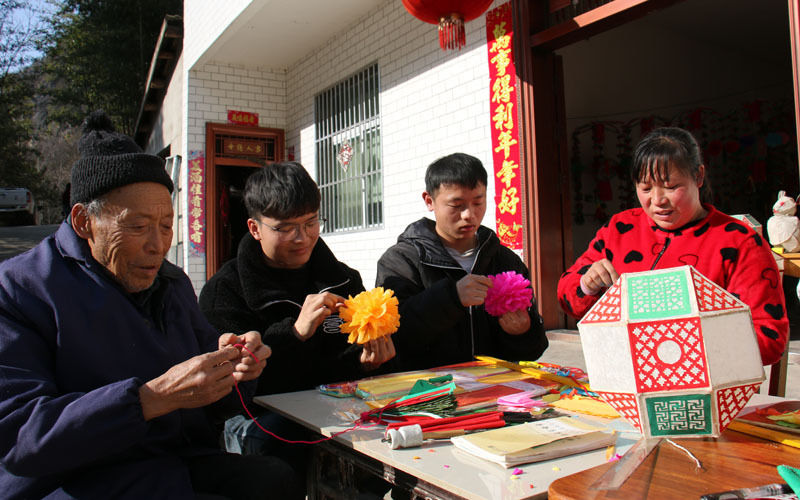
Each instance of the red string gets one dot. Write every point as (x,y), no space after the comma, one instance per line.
(358,424)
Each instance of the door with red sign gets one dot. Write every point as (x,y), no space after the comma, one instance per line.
(233,152)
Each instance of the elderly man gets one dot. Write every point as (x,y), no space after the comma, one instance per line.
(112,383)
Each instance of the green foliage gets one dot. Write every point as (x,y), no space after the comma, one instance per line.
(19,33)
(98,54)
(17,42)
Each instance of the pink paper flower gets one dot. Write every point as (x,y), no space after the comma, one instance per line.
(510,291)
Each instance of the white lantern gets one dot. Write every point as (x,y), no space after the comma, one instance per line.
(673,352)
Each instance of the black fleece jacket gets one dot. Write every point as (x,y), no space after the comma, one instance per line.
(435,328)
(246,294)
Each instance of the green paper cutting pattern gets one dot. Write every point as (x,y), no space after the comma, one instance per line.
(658,296)
(679,415)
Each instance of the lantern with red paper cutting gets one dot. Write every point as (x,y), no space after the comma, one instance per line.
(449,15)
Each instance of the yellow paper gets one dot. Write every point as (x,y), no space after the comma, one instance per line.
(502,378)
(479,371)
(588,406)
(394,383)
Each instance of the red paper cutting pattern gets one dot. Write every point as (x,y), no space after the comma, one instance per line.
(711,297)
(668,355)
(730,402)
(625,404)
(607,309)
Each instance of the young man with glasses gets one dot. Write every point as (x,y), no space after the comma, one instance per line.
(286,283)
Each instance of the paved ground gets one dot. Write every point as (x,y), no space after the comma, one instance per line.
(565,349)
(17,239)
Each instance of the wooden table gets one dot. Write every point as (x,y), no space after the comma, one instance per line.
(732,461)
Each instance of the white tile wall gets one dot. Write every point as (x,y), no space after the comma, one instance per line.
(215,88)
(433,103)
(204,21)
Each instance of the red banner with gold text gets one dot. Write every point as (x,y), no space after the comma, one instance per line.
(196,216)
(505,132)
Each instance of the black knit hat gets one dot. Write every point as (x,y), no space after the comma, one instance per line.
(110,160)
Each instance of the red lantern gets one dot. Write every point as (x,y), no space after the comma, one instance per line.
(450,15)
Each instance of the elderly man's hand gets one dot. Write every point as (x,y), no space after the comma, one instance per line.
(246,367)
(376,352)
(196,382)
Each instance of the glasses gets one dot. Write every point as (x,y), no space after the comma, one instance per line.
(286,232)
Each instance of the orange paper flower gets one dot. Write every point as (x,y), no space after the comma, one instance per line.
(370,315)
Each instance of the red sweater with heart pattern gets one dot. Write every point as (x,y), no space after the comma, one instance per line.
(722,248)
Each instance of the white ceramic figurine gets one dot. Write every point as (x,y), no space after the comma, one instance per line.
(783,228)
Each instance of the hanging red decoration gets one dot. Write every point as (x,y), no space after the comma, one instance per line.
(449,15)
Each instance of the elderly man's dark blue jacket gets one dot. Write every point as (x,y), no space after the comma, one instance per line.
(74,350)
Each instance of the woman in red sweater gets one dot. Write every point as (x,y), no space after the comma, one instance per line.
(674,228)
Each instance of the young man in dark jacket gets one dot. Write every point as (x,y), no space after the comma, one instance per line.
(439,271)
(286,283)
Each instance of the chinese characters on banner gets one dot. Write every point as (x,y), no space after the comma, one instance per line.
(243,118)
(243,147)
(505,133)
(196,194)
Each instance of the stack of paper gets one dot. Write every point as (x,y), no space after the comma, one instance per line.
(773,416)
(535,441)
(390,386)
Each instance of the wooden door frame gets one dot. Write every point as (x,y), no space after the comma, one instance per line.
(212,161)
(794,40)
(548,241)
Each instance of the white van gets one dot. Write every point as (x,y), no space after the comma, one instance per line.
(17,206)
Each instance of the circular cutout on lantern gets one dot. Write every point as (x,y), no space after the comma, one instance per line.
(669,352)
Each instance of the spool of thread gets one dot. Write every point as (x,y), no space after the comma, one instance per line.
(405,437)
(410,436)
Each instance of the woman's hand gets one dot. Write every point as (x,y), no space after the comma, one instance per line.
(599,276)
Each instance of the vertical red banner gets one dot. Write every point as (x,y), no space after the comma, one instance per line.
(505,132)
(196,194)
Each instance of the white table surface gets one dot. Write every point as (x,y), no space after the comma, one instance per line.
(436,462)
(439,462)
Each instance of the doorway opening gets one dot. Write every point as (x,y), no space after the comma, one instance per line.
(233,152)
(232,212)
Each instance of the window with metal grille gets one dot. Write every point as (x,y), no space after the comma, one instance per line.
(348,145)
